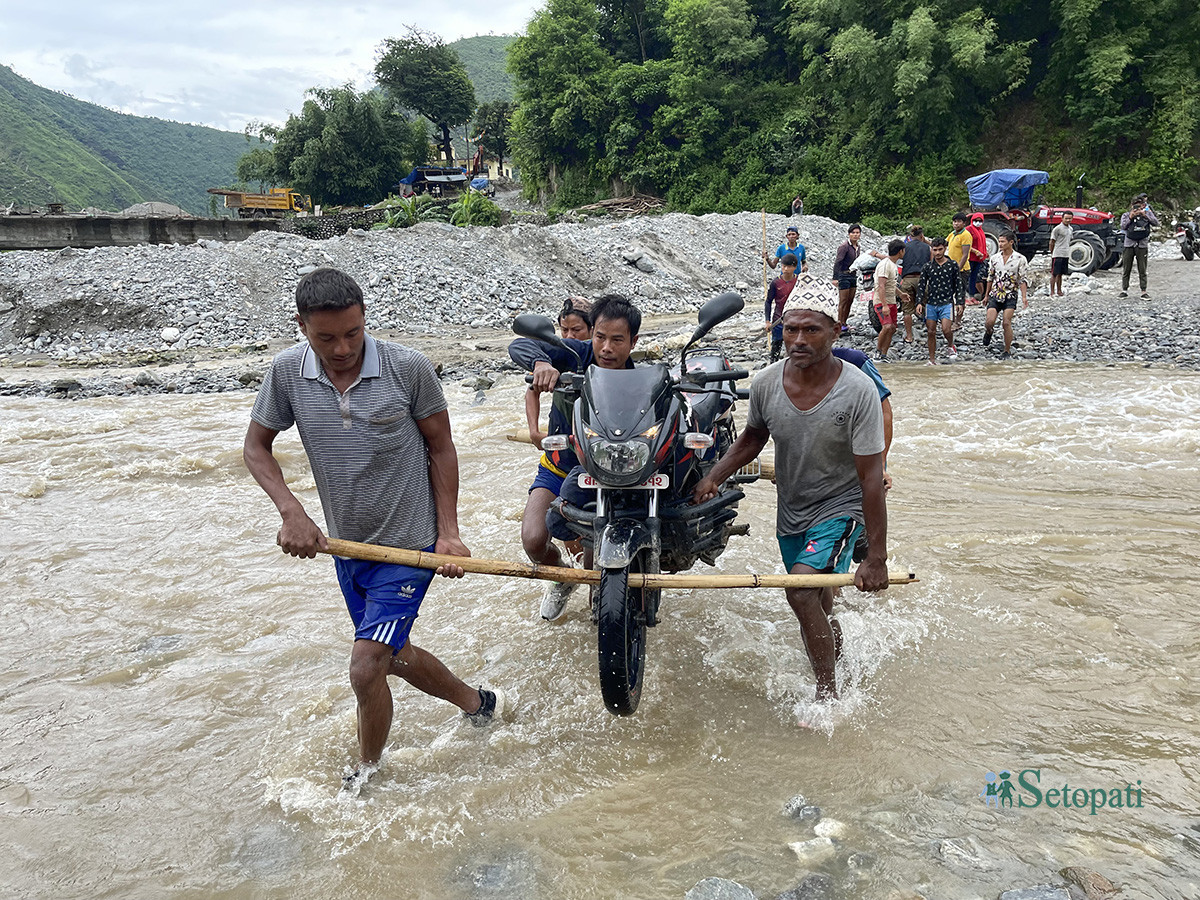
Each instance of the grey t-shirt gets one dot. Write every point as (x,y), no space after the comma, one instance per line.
(1061,235)
(368,457)
(814,449)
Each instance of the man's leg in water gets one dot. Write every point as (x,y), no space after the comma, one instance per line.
(370,664)
(812,607)
(535,536)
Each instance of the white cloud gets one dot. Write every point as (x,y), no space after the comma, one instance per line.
(223,63)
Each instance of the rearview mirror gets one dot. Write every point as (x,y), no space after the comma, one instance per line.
(717,310)
(713,313)
(539,328)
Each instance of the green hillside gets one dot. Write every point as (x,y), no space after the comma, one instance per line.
(56,148)
(485,58)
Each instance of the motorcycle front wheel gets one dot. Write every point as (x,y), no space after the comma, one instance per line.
(621,637)
(1188,251)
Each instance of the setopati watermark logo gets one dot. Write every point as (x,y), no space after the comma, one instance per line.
(1028,792)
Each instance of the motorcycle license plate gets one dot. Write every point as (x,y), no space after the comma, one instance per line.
(654,482)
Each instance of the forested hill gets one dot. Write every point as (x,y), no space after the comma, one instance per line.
(485,57)
(56,148)
(867,108)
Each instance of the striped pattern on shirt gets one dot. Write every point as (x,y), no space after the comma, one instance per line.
(368,456)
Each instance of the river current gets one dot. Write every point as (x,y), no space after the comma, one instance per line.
(175,712)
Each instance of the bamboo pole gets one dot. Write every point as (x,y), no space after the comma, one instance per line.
(421,560)
(764,277)
(765,469)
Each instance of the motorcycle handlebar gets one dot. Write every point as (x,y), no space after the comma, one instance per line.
(568,380)
(706,377)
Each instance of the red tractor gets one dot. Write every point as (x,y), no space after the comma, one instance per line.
(1004,198)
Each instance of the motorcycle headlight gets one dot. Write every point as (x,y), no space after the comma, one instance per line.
(622,458)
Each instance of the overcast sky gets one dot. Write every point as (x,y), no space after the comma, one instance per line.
(222,63)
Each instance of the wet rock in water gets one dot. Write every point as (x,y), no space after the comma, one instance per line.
(719,889)
(964,852)
(809,814)
(792,807)
(814,851)
(250,377)
(1037,892)
(509,877)
(145,379)
(1094,885)
(268,852)
(811,887)
(860,861)
(65,385)
(830,828)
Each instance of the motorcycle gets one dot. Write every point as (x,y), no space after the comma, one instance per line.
(645,437)
(1188,234)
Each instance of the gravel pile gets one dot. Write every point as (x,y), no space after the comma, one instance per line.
(154,305)
(76,305)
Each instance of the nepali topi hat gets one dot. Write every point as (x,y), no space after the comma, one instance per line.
(815,294)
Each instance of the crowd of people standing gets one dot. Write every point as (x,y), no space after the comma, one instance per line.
(915,277)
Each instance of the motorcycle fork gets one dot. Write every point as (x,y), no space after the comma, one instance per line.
(653,544)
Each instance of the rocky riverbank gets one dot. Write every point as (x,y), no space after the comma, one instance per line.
(207,317)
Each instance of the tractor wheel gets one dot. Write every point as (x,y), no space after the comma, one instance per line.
(1087,252)
(991,233)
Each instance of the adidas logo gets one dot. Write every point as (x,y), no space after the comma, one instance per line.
(407,591)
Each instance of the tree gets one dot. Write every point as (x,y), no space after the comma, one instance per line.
(421,73)
(563,78)
(343,148)
(492,122)
(876,107)
(630,29)
(257,165)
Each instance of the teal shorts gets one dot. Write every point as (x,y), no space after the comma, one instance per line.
(826,547)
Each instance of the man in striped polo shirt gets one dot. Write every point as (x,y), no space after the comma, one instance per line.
(373,421)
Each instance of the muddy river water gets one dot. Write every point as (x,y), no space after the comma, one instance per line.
(175,712)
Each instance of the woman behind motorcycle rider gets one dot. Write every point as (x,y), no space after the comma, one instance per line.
(615,325)
(574,321)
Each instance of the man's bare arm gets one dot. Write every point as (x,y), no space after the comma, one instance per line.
(299,535)
(744,450)
(871,574)
(533,413)
(443,480)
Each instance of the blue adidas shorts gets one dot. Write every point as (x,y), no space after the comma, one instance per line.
(383,599)
(826,547)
